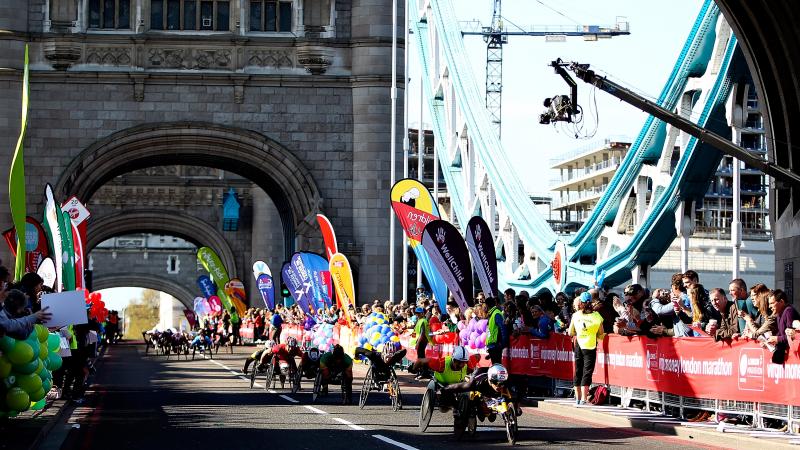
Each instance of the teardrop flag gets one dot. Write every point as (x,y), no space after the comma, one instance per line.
(328,236)
(17,195)
(342,279)
(52,217)
(211,262)
(451,259)
(481,248)
(297,288)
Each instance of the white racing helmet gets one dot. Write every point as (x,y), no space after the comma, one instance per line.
(497,374)
(460,354)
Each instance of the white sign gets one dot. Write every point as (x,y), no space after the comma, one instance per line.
(67,308)
(76,210)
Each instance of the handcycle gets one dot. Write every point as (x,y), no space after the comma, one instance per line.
(321,388)
(283,369)
(378,380)
(471,408)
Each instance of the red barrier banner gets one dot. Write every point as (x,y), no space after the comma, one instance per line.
(690,367)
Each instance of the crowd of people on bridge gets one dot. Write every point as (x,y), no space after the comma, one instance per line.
(21,309)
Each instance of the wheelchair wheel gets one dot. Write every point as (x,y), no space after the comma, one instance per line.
(253,372)
(194,350)
(427,406)
(394,393)
(294,379)
(510,418)
(269,379)
(461,416)
(315,394)
(366,386)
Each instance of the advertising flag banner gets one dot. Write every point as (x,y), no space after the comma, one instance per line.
(68,249)
(298,290)
(207,287)
(264,283)
(35,243)
(52,217)
(267,289)
(16,179)
(342,279)
(201,306)
(328,235)
(319,272)
(481,247)
(415,208)
(77,242)
(214,304)
(190,317)
(234,289)
(299,267)
(450,256)
(211,262)
(47,270)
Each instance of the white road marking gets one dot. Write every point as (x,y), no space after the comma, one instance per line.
(288,399)
(393,442)
(349,424)
(318,411)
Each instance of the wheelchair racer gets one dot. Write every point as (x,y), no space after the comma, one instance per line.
(309,362)
(383,361)
(284,352)
(256,355)
(448,370)
(490,383)
(337,362)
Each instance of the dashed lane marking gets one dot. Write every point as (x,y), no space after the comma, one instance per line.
(288,399)
(349,424)
(318,411)
(393,442)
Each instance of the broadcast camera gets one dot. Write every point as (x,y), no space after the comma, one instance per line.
(558,109)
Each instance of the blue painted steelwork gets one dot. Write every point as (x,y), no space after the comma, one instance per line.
(657,230)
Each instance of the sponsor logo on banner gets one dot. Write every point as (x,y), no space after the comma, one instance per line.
(450,257)
(35,243)
(266,288)
(536,355)
(481,247)
(76,210)
(297,288)
(651,368)
(342,279)
(207,287)
(318,270)
(751,369)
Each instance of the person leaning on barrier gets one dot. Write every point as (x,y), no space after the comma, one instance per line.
(586,329)
(786,315)
(726,315)
(766,321)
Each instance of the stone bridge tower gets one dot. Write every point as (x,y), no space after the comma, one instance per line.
(291,96)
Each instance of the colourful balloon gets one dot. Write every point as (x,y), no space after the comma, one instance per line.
(27,368)
(17,399)
(7,343)
(29,383)
(41,332)
(22,353)
(43,350)
(53,342)
(5,367)
(38,395)
(39,405)
(55,362)
(39,367)
(47,385)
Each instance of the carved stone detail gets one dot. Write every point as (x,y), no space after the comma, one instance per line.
(109,56)
(62,53)
(186,58)
(315,59)
(270,58)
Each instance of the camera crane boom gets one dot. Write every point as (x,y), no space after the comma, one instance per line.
(583,72)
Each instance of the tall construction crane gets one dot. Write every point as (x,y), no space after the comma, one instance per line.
(496,36)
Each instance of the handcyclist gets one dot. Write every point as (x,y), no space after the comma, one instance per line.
(202,339)
(448,370)
(382,362)
(334,362)
(309,362)
(284,352)
(490,382)
(256,355)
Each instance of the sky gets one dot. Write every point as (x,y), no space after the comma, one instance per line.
(641,61)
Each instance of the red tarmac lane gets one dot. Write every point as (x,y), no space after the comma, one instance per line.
(143,401)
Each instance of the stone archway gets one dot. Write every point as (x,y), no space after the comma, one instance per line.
(157,283)
(162,221)
(274,168)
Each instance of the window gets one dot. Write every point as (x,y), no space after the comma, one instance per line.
(173,264)
(110,14)
(270,15)
(205,15)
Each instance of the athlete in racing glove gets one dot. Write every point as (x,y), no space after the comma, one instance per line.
(382,362)
(449,370)
(335,362)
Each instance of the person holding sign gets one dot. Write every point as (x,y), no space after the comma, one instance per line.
(14,320)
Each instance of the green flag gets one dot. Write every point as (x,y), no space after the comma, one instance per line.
(213,265)
(16,181)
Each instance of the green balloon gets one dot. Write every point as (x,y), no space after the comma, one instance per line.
(9,381)
(55,362)
(39,405)
(41,332)
(53,342)
(46,374)
(7,343)
(35,347)
(39,367)
(27,368)
(22,353)
(43,350)
(13,413)
(38,395)
(17,399)
(5,367)
(29,383)
(46,385)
